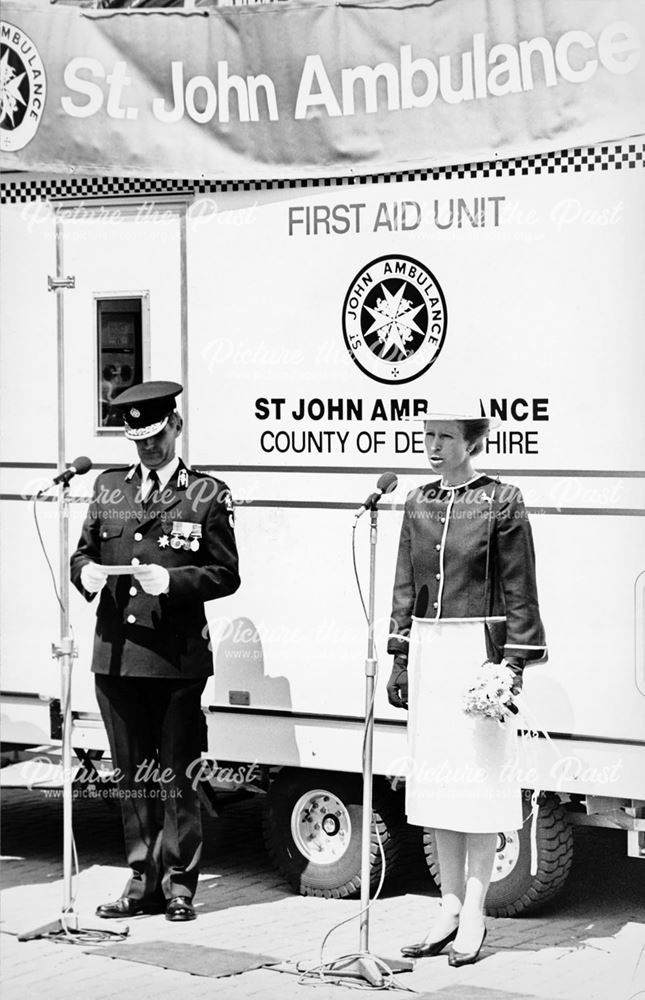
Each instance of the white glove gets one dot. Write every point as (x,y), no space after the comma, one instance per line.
(154,579)
(93,577)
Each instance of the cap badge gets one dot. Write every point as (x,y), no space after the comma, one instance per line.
(135,413)
(230,508)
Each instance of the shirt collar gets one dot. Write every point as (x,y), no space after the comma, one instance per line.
(460,486)
(165,473)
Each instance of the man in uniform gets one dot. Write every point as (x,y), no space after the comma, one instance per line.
(171,529)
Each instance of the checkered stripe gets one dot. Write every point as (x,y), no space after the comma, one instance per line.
(579,160)
(59,187)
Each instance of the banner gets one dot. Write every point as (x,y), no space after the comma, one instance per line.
(314,88)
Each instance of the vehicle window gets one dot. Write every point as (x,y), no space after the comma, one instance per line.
(120,350)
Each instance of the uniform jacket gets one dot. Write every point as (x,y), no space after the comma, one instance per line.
(441,566)
(189,531)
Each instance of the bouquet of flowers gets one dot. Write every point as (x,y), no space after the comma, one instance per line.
(490,694)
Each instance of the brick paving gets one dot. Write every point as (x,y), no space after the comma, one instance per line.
(588,945)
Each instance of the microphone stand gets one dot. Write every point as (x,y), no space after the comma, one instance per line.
(365,965)
(65,651)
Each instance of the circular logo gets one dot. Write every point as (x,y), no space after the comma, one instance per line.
(23,88)
(394,319)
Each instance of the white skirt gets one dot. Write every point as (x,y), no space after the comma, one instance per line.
(463,769)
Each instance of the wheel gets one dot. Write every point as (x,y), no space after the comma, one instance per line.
(312,830)
(513,890)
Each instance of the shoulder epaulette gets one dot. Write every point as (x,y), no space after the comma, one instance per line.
(119,468)
(201,472)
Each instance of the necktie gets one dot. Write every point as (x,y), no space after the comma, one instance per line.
(153,487)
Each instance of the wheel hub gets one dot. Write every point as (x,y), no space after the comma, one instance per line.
(506,854)
(321,827)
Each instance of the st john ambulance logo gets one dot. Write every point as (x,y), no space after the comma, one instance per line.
(23,88)
(394,319)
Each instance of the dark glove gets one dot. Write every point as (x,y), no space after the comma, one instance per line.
(517,667)
(397,686)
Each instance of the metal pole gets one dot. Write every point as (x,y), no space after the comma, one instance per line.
(65,651)
(363,965)
(183,272)
(66,654)
(370,675)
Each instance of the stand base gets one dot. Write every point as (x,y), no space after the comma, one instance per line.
(67,923)
(365,967)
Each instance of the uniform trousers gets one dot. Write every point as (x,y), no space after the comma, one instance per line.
(153,726)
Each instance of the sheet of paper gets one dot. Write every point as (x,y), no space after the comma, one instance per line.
(121,570)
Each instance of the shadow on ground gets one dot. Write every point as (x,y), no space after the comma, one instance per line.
(32,837)
(605,890)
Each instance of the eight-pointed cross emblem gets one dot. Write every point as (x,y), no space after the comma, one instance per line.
(10,96)
(394,321)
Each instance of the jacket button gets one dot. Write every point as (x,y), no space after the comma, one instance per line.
(443,520)
(134,561)
(133,591)
(436,604)
(138,536)
(437,576)
(438,548)
(131,619)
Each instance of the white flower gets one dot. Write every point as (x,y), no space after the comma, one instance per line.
(490,693)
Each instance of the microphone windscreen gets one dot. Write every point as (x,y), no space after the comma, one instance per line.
(82,464)
(387,482)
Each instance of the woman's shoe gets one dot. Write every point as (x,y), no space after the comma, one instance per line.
(457,958)
(423,950)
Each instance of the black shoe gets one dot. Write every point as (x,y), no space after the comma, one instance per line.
(423,950)
(457,958)
(127,907)
(180,908)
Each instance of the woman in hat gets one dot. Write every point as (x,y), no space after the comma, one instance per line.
(464,593)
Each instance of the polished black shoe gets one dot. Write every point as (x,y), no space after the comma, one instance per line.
(457,958)
(127,907)
(428,950)
(180,908)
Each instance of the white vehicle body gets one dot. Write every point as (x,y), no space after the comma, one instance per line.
(243,293)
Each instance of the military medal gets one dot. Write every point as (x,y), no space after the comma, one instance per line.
(195,535)
(186,535)
(163,541)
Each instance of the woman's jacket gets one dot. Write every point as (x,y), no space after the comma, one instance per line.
(466,553)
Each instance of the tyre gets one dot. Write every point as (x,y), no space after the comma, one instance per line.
(312,830)
(513,889)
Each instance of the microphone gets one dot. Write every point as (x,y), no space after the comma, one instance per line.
(385,484)
(79,467)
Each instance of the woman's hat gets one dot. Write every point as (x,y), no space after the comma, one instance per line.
(493,422)
(452,407)
(146,407)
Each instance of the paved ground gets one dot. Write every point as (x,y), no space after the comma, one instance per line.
(590,945)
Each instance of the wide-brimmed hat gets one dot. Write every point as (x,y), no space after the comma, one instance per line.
(452,408)
(147,407)
(493,422)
